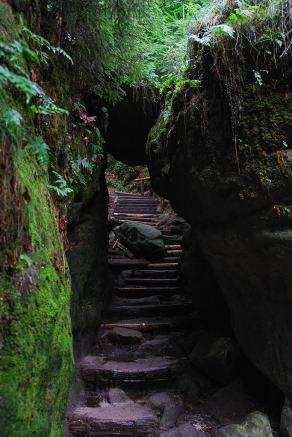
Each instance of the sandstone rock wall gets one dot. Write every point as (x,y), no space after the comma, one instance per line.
(221,152)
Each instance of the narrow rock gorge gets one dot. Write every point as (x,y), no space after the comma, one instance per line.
(145,218)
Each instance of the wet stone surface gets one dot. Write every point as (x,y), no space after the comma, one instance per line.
(154,371)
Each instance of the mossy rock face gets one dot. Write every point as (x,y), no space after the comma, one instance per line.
(225,163)
(36,356)
(35,327)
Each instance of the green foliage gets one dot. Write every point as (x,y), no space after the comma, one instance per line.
(11,123)
(40,149)
(259,23)
(26,86)
(24,262)
(60,186)
(120,176)
(113,44)
(103,39)
(81,167)
(167,38)
(14,73)
(45,44)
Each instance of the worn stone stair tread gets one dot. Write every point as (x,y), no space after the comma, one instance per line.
(153,281)
(136,208)
(173,246)
(143,222)
(173,251)
(136,292)
(148,310)
(134,217)
(154,274)
(136,214)
(170,259)
(173,240)
(136,203)
(99,369)
(122,336)
(128,419)
(127,263)
(149,324)
(151,300)
(125,194)
(155,290)
(163,265)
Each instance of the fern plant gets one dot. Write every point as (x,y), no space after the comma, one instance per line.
(81,167)
(43,43)
(60,186)
(40,149)
(14,72)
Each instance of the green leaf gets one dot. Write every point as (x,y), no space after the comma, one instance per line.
(11,116)
(26,259)
(40,150)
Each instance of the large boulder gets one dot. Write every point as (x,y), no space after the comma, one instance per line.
(143,240)
(286,419)
(216,356)
(255,424)
(222,153)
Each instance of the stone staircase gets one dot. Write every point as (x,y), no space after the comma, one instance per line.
(137,353)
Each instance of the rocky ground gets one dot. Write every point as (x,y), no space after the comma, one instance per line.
(156,369)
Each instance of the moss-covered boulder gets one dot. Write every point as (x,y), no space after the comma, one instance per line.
(222,155)
(143,240)
(255,424)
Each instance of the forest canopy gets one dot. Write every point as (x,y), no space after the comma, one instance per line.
(113,44)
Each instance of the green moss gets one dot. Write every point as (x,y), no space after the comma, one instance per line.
(264,135)
(266,120)
(36,361)
(162,125)
(8,29)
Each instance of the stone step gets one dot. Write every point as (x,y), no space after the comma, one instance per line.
(163,266)
(174,252)
(172,239)
(144,222)
(135,214)
(137,292)
(169,309)
(151,324)
(134,203)
(124,420)
(173,247)
(170,259)
(138,208)
(123,194)
(139,218)
(145,198)
(119,264)
(121,336)
(95,369)
(149,291)
(154,274)
(153,281)
(152,220)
